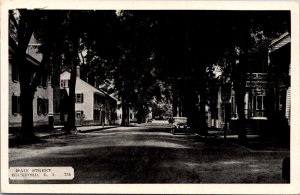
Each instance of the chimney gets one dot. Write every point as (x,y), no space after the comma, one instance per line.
(78,71)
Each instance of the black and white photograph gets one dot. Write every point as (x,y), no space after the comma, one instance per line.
(150,96)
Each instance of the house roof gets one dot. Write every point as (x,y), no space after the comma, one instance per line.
(12,49)
(33,41)
(110,96)
(281,41)
(113,95)
(32,60)
(98,91)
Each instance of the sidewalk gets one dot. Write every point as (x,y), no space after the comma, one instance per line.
(57,130)
(84,129)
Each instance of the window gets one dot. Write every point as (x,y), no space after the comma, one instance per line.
(260,102)
(45,106)
(96,114)
(131,116)
(79,98)
(42,106)
(39,105)
(64,83)
(16,105)
(253,103)
(79,114)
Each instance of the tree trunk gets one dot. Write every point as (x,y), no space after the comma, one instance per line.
(202,116)
(175,104)
(192,108)
(125,113)
(180,105)
(239,98)
(27,23)
(26,97)
(240,92)
(27,132)
(70,125)
(25,31)
(128,115)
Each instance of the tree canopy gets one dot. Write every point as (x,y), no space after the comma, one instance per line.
(152,54)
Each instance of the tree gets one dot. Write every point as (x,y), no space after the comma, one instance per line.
(124,56)
(248,39)
(61,30)
(73,34)
(183,46)
(69,42)
(22,25)
(184,58)
(59,33)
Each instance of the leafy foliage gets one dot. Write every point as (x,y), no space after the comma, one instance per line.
(154,55)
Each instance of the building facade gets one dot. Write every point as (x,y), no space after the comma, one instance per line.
(92,105)
(280,65)
(43,98)
(132,114)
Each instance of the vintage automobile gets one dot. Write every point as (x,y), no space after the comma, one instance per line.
(179,125)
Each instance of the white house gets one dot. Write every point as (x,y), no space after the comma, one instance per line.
(43,98)
(92,105)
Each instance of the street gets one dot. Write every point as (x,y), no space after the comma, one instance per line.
(150,154)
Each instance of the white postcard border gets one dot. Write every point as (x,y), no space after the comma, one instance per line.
(292,188)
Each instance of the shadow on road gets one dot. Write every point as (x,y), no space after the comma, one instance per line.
(143,155)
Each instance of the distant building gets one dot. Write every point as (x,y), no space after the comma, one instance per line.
(107,85)
(92,105)
(132,114)
(119,112)
(215,109)
(42,102)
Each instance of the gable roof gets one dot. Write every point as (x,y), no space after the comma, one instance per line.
(12,50)
(100,90)
(97,90)
(281,41)
(108,95)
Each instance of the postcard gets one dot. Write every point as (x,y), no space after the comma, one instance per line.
(150,97)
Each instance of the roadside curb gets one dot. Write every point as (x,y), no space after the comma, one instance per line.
(52,135)
(61,133)
(97,129)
